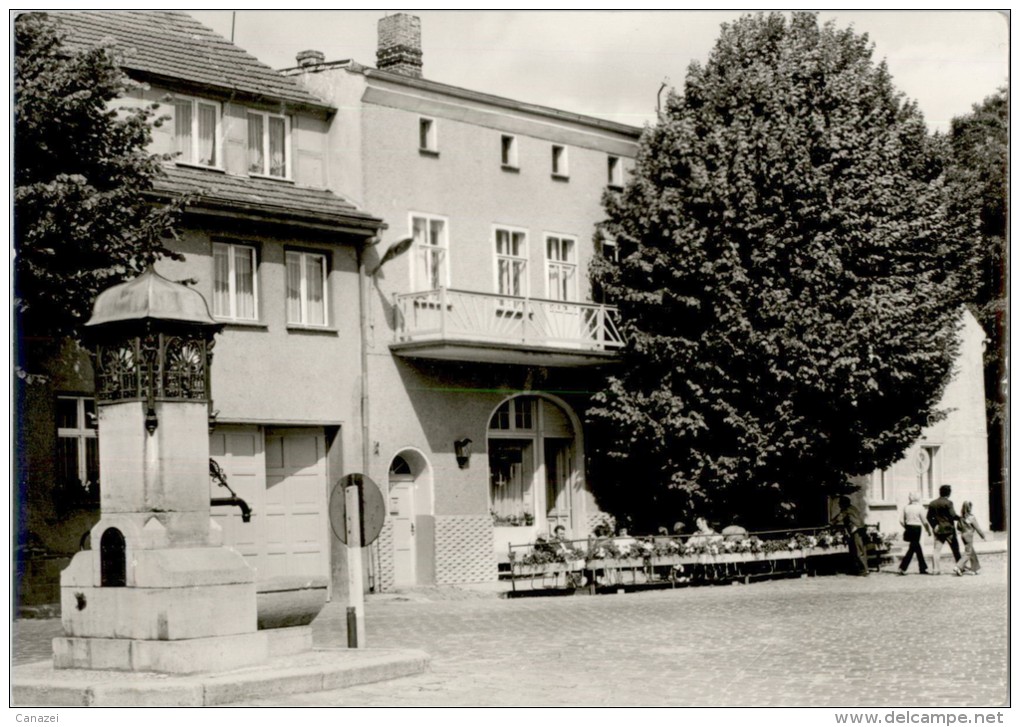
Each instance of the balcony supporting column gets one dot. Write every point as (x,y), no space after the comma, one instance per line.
(442,311)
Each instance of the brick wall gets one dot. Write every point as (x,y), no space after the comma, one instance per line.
(400,44)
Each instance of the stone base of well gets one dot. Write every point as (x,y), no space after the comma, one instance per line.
(183,656)
(318,670)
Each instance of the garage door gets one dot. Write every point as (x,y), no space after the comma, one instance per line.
(295,504)
(281,474)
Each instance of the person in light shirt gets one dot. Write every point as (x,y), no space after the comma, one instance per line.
(913,520)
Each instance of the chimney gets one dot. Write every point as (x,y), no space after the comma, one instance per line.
(400,44)
(307,58)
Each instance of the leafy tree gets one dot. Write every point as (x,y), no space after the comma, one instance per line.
(977,173)
(81,171)
(788,283)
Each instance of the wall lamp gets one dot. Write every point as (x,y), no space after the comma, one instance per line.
(395,250)
(462,450)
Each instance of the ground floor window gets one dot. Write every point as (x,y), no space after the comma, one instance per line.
(510,476)
(77,451)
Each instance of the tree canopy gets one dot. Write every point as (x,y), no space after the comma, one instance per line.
(789,283)
(81,171)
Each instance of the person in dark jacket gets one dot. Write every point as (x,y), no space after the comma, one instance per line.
(942,517)
(849,519)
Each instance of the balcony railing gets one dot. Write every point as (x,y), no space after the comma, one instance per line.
(457,315)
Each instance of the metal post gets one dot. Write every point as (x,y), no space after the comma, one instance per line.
(355,574)
(352,627)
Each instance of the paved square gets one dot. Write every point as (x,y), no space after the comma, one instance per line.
(828,641)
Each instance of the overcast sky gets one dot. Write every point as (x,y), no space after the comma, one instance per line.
(611,63)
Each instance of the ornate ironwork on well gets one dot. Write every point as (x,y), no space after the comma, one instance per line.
(154,366)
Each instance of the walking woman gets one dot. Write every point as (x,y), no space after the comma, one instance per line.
(968,525)
(913,521)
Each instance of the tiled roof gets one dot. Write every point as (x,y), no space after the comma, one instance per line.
(171,44)
(263,197)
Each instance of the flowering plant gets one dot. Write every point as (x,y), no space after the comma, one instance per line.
(526,518)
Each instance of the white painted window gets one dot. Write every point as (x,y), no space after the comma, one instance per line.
(511,262)
(561,267)
(560,167)
(614,170)
(879,486)
(77,450)
(306,289)
(235,284)
(268,144)
(197,131)
(429,262)
(508,150)
(427,134)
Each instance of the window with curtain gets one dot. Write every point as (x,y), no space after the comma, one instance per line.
(196,131)
(561,267)
(430,266)
(511,469)
(77,461)
(508,150)
(306,289)
(511,262)
(427,134)
(268,144)
(559,161)
(614,170)
(235,286)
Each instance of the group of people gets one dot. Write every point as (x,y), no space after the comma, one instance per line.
(942,521)
(937,518)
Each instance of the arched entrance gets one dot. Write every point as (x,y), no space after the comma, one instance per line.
(410,512)
(535,465)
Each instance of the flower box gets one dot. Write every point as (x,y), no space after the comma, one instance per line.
(537,569)
(669,560)
(624,563)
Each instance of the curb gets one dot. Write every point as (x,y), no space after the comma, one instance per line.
(315,671)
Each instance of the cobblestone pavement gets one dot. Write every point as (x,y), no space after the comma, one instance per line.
(826,641)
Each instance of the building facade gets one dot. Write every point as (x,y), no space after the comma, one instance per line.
(483,333)
(952,451)
(276,256)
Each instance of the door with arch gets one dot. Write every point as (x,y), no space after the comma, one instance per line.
(409,510)
(402,515)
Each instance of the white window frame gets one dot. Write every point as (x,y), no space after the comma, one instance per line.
(428,125)
(303,292)
(419,277)
(508,154)
(217,133)
(880,486)
(265,145)
(570,266)
(232,248)
(610,248)
(561,164)
(80,433)
(521,258)
(614,170)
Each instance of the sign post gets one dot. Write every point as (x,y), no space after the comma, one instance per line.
(356,514)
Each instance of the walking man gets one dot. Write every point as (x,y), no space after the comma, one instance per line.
(849,518)
(942,517)
(913,521)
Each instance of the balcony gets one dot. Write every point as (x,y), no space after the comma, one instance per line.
(457,325)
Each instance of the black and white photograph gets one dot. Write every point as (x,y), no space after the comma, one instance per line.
(510,359)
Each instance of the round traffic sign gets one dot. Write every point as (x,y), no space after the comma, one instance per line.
(371,506)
